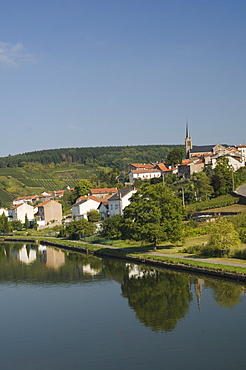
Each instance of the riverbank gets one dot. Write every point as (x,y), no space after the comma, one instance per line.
(234,271)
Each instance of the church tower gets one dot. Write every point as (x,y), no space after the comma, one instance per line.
(188,141)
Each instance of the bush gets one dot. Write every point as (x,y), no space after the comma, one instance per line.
(240,254)
(194,249)
(223,237)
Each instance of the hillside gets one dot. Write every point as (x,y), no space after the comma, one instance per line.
(113,156)
(32,173)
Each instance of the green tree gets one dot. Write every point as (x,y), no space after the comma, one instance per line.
(222,177)
(111,227)
(80,228)
(223,237)
(82,188)
(154,215)
(26,222)
(93,216)
(16,225)
(203,186)
(175,156)
(4,224)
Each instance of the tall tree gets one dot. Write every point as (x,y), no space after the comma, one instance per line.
(175,156)
(82,188)
(26,224)
(154,215)
(222,177)
(203,186)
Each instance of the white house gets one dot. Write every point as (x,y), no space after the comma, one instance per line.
(235,161)
(103,207)
(87,203)
(242,150)
(118,201)
(145,174)
(26,199)
(20,211)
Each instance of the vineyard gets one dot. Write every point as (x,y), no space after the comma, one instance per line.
(34,178)
(5,198)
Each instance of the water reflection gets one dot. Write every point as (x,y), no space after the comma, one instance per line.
(160,298)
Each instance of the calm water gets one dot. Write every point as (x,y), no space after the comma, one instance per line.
(71,311)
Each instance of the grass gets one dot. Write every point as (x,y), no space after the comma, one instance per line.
(136,249)
(233,208)
(210,265)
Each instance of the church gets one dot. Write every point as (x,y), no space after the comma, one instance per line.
(200,150)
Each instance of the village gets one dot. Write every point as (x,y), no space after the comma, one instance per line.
(45,210)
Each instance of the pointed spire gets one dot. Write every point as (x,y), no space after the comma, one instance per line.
(187,129)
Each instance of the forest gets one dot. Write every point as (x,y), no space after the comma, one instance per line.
(106,156)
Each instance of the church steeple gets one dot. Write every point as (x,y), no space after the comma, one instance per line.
(187,129)
(188,140)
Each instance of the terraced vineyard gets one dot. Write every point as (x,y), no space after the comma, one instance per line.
(5,197)
(34,178)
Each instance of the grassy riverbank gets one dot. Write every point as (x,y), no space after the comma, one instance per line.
(165,255)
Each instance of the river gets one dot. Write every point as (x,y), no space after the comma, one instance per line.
(63,310)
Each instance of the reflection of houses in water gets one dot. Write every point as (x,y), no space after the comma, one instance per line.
(54,258)
(25,254)
(136,271)
(87,269)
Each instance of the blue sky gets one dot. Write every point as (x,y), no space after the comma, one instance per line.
(107,72)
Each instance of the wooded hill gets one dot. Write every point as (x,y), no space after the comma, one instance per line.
(111,156)
(46,170)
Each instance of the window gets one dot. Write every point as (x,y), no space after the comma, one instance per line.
(116,206)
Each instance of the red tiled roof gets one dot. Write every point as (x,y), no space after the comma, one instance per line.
(187,161)
(86,197)
(105,199)
(103,190)
(26,197)
(18,205)
(162,167)
(140,165)
(44,203)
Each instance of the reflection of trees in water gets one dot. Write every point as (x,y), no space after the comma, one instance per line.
(159,299)
(225,294)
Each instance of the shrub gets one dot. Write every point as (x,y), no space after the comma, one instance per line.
(240,254)
(222,238)
(195,249)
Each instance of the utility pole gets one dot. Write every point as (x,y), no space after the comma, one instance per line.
(232,175)
(183,199)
